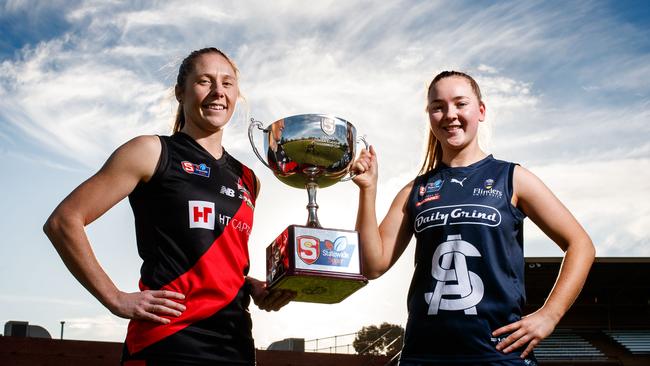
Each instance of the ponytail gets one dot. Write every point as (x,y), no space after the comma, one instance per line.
(179,122)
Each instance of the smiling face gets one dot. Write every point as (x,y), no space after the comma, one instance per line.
(209,93)
(454,113)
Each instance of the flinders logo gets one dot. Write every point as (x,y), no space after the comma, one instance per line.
(487,190)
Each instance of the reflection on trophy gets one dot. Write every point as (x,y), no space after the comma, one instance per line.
(309,151)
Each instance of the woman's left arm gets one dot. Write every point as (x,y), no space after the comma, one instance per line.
(537,201)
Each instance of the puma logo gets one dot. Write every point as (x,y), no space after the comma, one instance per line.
(454,180)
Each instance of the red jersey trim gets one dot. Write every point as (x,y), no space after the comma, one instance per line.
(210,285)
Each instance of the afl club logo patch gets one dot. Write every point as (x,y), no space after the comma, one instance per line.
(196,169)
(434,187)
(429,192)
(308,249)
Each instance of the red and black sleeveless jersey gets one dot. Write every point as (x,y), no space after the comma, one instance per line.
(193,220)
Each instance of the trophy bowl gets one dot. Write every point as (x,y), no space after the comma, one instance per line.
(309,148)
(311,151)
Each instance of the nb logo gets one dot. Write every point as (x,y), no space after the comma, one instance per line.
(449,268)
(454,180)
(227,191)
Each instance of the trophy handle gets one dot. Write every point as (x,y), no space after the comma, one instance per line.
(352,175)
(257,124)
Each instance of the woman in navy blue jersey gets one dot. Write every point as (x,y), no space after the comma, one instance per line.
(466,210)
(193,206)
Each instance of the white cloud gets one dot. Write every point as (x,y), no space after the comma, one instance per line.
(34,6)
(548,72)
(98,328)
(20,299)
(80,108)
(611,199)
(487,69)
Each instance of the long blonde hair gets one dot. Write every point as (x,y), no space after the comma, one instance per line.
(187,66)
(433,156)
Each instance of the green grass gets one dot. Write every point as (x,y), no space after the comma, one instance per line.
(324,290)
(322,153)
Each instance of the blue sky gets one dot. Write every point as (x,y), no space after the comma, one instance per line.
(566,88)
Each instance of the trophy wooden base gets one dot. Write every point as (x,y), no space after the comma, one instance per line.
(320,265)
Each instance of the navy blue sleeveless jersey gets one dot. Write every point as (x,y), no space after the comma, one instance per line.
(469,263)
(193,220)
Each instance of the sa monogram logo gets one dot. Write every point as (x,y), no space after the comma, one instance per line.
(308,248)
(449,268)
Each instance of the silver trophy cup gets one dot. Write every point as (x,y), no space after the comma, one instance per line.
(312,151)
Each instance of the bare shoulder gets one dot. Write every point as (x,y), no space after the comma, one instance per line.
(131,163)
(145,145)
(522,173)
(525,182)
(529,190)
(138,156)
(407,188)
(402,196)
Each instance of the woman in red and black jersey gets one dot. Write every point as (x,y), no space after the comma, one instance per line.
(193,205)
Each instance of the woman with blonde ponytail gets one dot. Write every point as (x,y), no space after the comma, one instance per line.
(193,205)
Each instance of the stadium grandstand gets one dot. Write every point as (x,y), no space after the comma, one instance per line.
(609,324)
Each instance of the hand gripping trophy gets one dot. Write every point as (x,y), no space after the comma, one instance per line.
(312,151)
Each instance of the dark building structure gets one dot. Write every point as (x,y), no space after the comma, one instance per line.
(609,324)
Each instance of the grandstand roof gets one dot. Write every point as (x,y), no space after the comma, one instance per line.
(615,296)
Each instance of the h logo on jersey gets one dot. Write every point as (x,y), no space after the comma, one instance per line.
(449,267)
(201,214)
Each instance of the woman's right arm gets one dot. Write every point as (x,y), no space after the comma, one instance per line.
(381,244)
(131,163)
